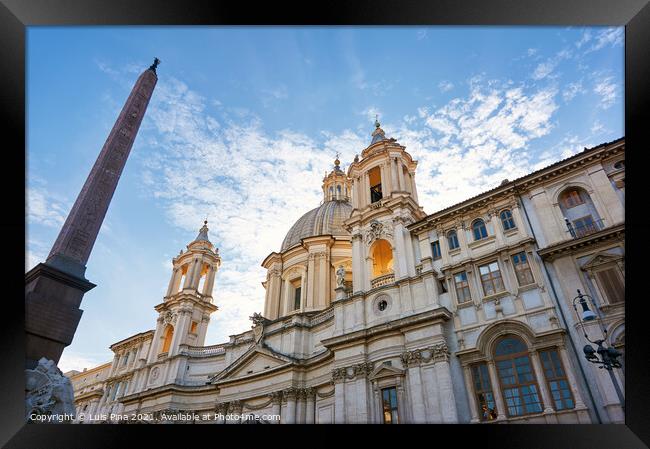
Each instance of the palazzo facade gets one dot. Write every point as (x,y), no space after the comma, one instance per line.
(376,312)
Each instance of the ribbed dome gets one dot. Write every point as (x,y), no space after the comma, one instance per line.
(327,218)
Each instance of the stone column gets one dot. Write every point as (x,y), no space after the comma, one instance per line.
(311,276)
(276,400)
(358,265)
(300,406)
(401,410)
(311,405)
(568,370)
(366,189)
(209,281)
(447,401)
(469,386)
(236,408)
(393,175)
(414,190)
(378,417)
(496,389)
(541,381)
(323,285)
(172,281)
(416,393)
(399,262)
(290,395)
(339,396)
(400,175)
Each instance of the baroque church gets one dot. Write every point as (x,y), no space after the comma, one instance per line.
(377,312)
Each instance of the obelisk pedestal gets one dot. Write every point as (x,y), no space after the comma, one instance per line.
(54,289)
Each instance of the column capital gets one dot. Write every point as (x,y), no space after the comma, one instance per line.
(276,397)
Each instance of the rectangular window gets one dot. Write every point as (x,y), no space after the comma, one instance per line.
(374,178)
(487,408)
(435,247)
(193,327)
(491,278)
(296,298)
(389,405)
(556,379)
(462,287)
(518,386)
(522,269)
(611,284)
(584,226)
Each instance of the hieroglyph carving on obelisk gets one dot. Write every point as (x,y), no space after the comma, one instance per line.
(79,232)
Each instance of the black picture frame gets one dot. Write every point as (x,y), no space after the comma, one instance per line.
(16,15)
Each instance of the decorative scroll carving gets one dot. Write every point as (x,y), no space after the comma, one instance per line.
(436,353)
(351,372)
(378,230)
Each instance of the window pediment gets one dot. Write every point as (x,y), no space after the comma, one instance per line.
(600,259)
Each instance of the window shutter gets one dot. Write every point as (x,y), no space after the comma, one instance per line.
(611,284)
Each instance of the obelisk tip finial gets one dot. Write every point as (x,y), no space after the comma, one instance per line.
(153,66)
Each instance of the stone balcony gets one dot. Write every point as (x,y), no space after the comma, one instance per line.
(382,280)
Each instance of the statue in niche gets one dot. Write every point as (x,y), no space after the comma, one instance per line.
(340,276)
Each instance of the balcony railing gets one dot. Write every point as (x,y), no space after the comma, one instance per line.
(382,280)
(584,228)
(204,351)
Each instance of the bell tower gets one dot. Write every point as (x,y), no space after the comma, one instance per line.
(336,184)
(385,201)
(185,312)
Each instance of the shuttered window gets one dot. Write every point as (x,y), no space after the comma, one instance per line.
(611,284)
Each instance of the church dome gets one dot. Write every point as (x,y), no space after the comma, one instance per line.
(327,218)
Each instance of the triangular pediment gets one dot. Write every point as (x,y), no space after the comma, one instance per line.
(599,259)
(254,361)
(384,370)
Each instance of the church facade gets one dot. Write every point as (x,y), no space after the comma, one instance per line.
(376,312)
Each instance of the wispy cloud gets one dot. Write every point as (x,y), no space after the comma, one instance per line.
(445,86)
(422,34)
(608,92)
(571,90)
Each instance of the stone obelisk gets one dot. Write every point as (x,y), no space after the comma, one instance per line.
(54,289)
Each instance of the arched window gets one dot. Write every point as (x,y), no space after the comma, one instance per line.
(374,177)
(452,238)
(479,229)
(516,377)
(338,192)
(573,197)
(506,220)
(382,258)
(580,214)
(331,192)
(169,333)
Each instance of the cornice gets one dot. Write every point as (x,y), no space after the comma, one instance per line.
(550,253)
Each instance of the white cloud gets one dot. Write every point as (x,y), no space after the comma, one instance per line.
(422,34)
(608,92)
(445,86)
(44,207)
(571,90)
(471,144)
(252,185)
(544,69)
(608,37)
(78,361)
(270,95)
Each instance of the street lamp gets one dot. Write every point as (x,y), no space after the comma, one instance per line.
(608,356)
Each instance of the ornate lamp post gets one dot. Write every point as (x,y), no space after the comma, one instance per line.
(605,357)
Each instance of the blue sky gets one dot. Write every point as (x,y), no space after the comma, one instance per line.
(244,122)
